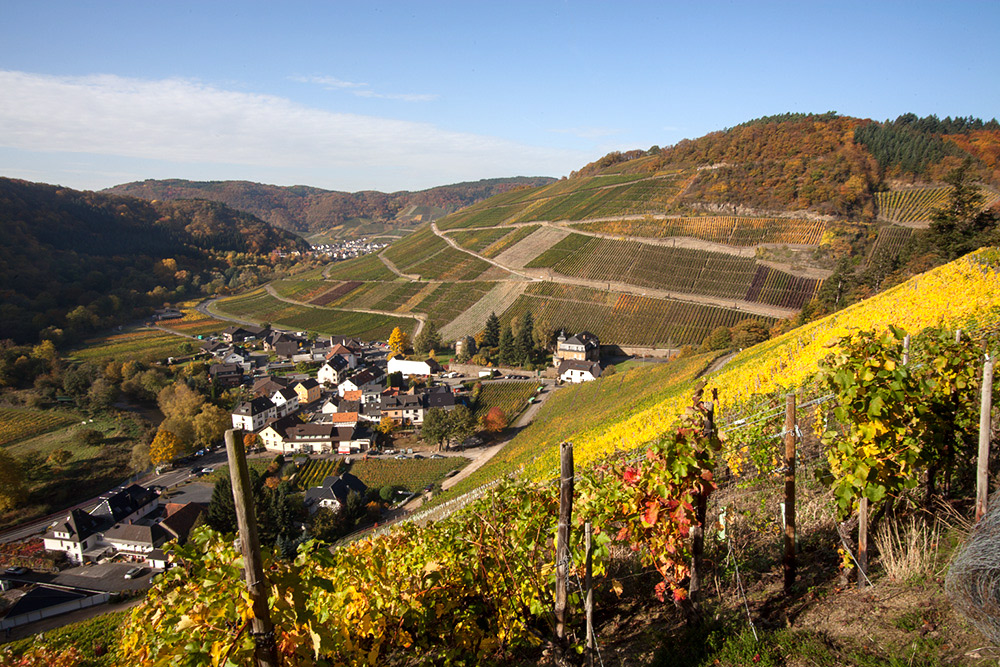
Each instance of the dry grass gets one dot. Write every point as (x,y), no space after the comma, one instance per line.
(909,549)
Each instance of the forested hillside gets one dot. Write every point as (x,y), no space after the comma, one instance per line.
(73,262)
(306,209)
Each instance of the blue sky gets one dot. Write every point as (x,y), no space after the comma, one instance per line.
(408,95)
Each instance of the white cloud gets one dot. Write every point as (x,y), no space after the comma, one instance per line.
(363,89)
(186,122)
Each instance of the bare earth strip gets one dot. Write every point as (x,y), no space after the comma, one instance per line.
(531,246)
(497,300)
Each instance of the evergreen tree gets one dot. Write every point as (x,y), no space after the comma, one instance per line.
(491,337)
(508,348)
(428,339)
(960,225)
(526,339)
(221,509)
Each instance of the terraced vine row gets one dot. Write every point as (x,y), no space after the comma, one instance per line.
(888,243)
(511,397)
(17,424)
(730,230)
(336,293)
(260,306)
(479,239)
(510,240)
(625,319)
(316,470)
(675,269)
(367,267)
(300,290)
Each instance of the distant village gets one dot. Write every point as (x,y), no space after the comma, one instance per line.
(334,409)
(348,248)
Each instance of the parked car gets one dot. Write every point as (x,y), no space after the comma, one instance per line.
(134,572)
(17,571)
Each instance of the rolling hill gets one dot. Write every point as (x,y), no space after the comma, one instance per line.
(657,248)
(79,261)
(308,210)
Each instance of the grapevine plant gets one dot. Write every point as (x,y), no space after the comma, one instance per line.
(654,503)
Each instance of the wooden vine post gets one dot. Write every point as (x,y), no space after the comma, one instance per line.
(261,628)
(788,565)
(562,535)
(588,583)
(862,541)
(698,529)
(983,463)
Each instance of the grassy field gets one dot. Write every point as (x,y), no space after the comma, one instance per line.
(411,474)
(90,470)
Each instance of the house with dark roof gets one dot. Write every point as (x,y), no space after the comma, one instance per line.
(45,601)
(268,384)
(127,505)
(252,415)
(334,371)
(308,390)
(584,346)
(286,401)
(226,375)
(369,382)
(440,397)
(180,520)
(75,535)
(133,540)
(404,408)
(347,353)
(575,371)
(333,492)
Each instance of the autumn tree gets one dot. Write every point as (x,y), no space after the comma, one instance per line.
(165,448)
(180,404)
(13,490)
(210,425)
(494,421)
(59,457)
(399,342)
(748,333)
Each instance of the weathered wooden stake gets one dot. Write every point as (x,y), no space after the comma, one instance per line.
(958,335)
(588,584)
(983,464)
(863,542)
(789,562)
(265,648)
(698,535)
(562,534)
(906,349)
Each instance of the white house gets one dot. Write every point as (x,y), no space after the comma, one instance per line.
(286,401)
(334,371)
(574,370)
(408,368)
(252,415)
(77,534)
